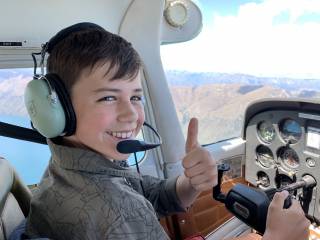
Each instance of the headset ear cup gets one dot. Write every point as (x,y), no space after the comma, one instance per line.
(56,82)
(44,108)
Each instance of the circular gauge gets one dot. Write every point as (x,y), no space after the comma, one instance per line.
(263,179)
(265,156)
(266,131)
(290,131)
(311,162)
(289,157)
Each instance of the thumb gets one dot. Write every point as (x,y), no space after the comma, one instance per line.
(279,198)
(192,136)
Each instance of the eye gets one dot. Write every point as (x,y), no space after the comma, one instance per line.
(107,99)
(137,98)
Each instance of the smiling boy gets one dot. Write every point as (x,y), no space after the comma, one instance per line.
(86,193)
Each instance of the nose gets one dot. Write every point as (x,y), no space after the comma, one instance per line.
(127,112)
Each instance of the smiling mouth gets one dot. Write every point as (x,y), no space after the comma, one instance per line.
(121,135)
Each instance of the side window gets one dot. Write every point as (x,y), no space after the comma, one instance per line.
(29,159)
(247,50)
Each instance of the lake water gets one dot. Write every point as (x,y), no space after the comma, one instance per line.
(29,159)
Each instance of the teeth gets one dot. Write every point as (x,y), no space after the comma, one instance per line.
(122,135)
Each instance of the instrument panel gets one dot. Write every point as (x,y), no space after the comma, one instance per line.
(282,146)
(286,140)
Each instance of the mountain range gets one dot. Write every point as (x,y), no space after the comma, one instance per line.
(217,99)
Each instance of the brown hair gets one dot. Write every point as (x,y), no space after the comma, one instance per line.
(87,48)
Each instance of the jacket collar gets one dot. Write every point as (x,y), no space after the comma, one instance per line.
(85,160)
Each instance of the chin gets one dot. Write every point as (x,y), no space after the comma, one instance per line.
(120,157)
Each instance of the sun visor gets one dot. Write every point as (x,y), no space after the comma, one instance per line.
(25,25)
(182,21)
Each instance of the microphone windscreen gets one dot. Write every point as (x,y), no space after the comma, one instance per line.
(131,146)
(128,146)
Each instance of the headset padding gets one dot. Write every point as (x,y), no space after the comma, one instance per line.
(59,87)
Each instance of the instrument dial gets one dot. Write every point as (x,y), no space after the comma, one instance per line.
(290,131)
(289,157)
(265,156)
(266,131)
(263,179)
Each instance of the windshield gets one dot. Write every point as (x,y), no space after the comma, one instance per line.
(247,50)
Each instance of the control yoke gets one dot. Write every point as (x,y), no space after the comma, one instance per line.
(250,205)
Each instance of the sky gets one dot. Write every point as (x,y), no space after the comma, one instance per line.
(273,38)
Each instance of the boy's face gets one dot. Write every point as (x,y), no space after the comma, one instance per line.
(107,111)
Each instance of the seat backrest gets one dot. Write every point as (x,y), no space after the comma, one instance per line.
(14,199)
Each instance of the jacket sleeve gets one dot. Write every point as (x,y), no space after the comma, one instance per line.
(162,195)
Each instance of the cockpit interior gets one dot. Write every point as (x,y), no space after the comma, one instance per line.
(262,128)
(282,147)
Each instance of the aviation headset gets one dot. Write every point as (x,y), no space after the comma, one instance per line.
(46,97)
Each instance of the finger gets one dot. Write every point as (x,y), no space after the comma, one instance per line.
(205,177)
(190,161)
(278,199)
(200,169)
(192,136)
(198,156)
(195,170)
(295,205)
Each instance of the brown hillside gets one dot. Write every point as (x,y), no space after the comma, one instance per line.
(219,107)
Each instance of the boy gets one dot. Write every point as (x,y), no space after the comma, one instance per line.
(86,193)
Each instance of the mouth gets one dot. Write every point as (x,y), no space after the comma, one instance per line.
(121,135)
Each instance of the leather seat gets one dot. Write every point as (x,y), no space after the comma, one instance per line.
(14,199)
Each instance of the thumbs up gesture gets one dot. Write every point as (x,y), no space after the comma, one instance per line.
(199,166)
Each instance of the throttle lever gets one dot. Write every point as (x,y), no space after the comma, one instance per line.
(287,202)
(307,183)
(251,204)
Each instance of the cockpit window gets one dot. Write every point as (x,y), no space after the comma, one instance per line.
(247,50)
(29,159)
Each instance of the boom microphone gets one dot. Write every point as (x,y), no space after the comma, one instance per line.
(132,146)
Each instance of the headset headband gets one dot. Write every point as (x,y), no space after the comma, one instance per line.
(67,31)
(46,98)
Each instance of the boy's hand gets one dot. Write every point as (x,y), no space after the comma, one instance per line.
(284,224)
(200,167)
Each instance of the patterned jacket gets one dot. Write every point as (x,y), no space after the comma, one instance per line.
(86,196)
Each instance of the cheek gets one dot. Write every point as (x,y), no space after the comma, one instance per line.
(93,121)
(141,116)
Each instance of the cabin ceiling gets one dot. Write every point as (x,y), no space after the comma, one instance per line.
(26,25)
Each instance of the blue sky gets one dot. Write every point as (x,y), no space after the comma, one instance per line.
(263,38)
(223,7)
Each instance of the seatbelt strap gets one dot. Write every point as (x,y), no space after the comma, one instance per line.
(21,133)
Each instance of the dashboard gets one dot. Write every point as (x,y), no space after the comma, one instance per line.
(283,145)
